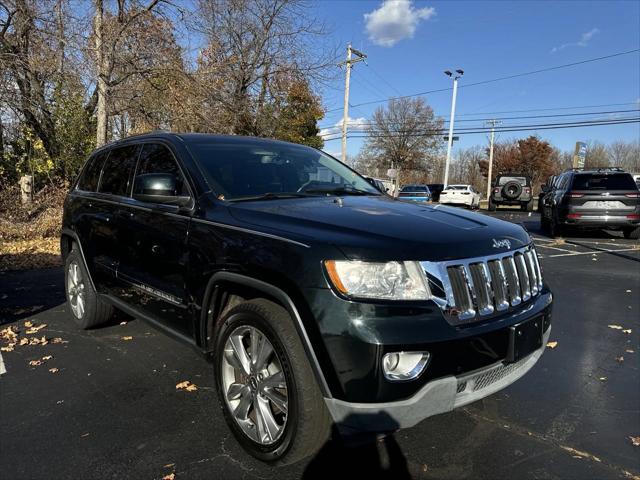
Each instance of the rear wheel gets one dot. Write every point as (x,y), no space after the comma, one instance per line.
(631,232)
(555,228)
(87,309)
(266,387)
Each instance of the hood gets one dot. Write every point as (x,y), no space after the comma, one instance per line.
(382,228)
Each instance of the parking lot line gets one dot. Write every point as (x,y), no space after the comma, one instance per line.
(555,248)
(604,250)
(2,369)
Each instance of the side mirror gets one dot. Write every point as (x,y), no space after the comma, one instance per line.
(158,188)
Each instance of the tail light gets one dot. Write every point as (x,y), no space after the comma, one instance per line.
(634,216)
(576,195)
(632,195)
(496,190)
(527,190)
(573,215)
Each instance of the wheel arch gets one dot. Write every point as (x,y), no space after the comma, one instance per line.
(69,238)
(226,289)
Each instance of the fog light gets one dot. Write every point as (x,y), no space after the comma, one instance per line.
(403,366)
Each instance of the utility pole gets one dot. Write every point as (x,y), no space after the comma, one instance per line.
(493,124)
(348,63)
(458,73)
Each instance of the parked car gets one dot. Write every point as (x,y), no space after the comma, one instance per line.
(379,184)
(415,193)
(511,189)
(435,189)
(604,198)
(319,300)
(461,195)
(636,178)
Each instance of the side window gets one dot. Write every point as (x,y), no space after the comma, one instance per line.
(91,174)
(157,162)
(118,169)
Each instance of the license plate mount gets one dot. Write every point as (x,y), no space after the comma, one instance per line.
(524,338)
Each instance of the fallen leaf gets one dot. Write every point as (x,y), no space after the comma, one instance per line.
(552,344)
(602,379)
(35,363)
(635,441)
(59,340)
(620,359)
(127,338)
(424,467)
(628,350)
(54,370)
(8,348)
(47,357)
(28,324)
(627,331)
(170,476)
(84,435)
(36,329)
(186,385)
(123,323)
(615,327)
(23,341)
(580,454)
(168,465)
(628,291)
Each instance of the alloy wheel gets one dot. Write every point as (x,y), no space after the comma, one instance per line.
(254,385)
(75,289)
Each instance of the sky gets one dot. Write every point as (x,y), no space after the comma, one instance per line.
(410,43)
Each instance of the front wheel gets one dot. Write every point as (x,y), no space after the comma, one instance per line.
(266,387)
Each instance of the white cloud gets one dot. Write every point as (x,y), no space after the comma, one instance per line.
(395,20)
(353,125)
(585,38)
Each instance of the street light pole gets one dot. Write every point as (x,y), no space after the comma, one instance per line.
(348,63)
(493,124)
(455,77)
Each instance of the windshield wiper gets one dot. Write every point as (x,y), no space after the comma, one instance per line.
(269,196)
(342,191)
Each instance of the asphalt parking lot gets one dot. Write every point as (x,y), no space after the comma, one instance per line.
(105,405)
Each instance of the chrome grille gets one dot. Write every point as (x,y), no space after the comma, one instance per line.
(471,289)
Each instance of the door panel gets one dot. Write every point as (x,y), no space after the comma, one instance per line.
(154,259)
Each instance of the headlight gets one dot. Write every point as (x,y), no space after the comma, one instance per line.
(385,281)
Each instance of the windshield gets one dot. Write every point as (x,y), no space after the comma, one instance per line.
(238,170)
(621,181)
(521,180)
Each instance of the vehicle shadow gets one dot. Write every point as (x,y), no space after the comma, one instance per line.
(360,455)
(26,293)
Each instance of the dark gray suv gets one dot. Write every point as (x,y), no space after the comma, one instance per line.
(511,189)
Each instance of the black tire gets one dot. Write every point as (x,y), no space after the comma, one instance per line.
(511,190)
(632,232)
(492,205)
(95,311)
(544,224)
(308,422)
(555,229)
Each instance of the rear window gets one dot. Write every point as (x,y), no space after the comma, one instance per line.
(617,181)
(457,187)
(521,180)
(414,188)
(118,170)
(91,174)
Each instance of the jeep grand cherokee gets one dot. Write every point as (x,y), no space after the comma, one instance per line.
(318,299)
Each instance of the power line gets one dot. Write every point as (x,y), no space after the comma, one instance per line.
(506,77)
(506,128)
(523,117)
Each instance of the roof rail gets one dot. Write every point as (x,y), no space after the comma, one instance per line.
(596,169)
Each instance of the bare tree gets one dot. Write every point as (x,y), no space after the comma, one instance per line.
(406,135)
(625,155)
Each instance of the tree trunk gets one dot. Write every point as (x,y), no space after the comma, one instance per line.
(103,73)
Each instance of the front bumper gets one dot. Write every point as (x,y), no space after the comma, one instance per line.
(435,397)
